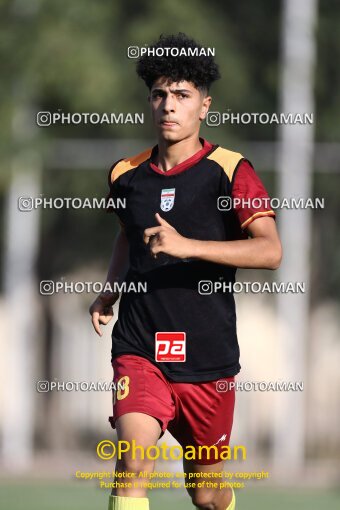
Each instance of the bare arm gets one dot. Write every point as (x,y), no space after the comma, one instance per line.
(262,250)
(101,309)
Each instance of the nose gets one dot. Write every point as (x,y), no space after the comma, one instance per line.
(169,103)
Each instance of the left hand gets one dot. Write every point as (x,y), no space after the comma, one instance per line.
(165,239)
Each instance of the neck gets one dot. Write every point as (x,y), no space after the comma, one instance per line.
(170,155)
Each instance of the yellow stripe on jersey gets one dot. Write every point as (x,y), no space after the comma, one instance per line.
(228,160)
(129,163)
(257,215)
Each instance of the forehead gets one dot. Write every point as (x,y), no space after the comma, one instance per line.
(166,84)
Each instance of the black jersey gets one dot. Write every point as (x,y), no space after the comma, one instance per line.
(187,197)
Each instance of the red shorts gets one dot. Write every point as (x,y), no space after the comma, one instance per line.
(196,414)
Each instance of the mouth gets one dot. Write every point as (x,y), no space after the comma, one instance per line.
(168,123)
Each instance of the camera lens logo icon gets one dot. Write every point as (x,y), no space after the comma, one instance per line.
(133,52)
(46,287)
(205,287)
(44,118)
(43,386)
(213,118)
(25,204)
(224,203)
(222,386)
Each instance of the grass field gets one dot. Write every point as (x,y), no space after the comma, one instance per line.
(49,496)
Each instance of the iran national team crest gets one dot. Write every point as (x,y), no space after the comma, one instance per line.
(167,199)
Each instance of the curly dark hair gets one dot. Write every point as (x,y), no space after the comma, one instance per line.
(200,70)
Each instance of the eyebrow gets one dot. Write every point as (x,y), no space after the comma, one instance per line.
(173,90)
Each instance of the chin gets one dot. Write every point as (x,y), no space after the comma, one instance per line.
(170,137)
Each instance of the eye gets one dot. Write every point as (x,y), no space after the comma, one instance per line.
(156,95)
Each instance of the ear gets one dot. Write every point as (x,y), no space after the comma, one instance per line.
(205,107)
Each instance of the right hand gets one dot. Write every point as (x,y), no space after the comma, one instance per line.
(101,310)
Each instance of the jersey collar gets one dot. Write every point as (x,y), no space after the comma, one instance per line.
(188,163)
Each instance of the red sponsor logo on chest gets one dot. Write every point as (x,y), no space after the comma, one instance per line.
(170,346)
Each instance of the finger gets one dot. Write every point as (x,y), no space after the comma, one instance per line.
(154,240)
(148,232)
(95,323)
(162,221)
(105,319)
(153,254)
(157,248)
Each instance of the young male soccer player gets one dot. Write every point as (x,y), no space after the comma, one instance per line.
(174,233)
